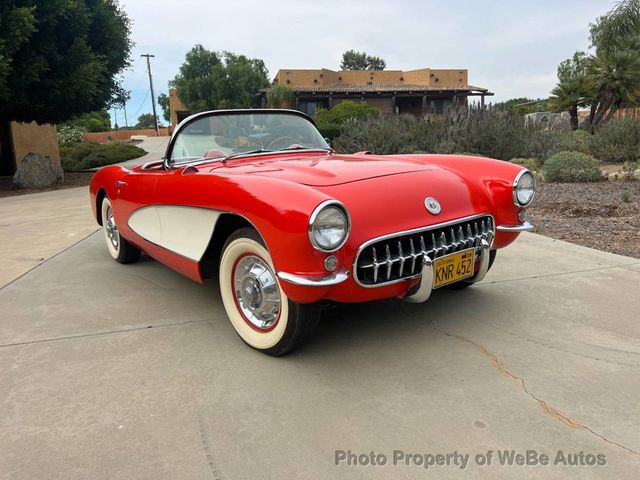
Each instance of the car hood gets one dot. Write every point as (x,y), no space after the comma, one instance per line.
(324,170)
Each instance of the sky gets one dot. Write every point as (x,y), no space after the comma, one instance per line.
(511,47)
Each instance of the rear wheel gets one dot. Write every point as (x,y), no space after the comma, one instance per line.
(119,249)
(258,308)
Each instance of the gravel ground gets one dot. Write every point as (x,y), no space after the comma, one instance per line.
(71,180)
(597,215)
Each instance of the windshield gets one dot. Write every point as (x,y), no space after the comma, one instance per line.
(220,135)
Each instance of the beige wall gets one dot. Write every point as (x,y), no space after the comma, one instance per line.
(449,78)
(325,77)
(175,105)
(31,137)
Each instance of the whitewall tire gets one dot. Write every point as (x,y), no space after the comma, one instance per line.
(256,305)
(119,249)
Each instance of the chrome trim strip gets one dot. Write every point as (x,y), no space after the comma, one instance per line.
(515,186)
(314,215)
(523,227)
(411,232)
(311,281)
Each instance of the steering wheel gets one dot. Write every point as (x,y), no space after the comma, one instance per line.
(279,139)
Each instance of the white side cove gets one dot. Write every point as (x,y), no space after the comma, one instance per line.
(183,230)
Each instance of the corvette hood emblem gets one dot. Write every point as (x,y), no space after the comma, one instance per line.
(432,205)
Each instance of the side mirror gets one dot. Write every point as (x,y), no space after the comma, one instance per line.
(326,139)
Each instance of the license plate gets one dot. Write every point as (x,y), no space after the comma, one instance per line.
(453,268)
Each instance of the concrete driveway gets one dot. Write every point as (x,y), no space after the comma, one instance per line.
(112,371)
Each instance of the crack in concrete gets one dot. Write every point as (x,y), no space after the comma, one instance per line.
(546,408)
(207,450)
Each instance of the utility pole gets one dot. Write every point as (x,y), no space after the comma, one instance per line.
(153,98)
(124,109)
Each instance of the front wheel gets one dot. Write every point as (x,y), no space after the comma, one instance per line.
(119,249)
(258,308)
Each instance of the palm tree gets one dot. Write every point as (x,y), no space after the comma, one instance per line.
(572,90)
(614,76)
(280,96)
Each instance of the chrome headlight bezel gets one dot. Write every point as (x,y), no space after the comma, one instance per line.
(517,182)
(314,216)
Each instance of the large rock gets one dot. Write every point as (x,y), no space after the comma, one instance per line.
(38,171)
(636,174)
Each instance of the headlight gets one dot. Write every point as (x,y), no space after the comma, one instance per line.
(524,188)
(329,226)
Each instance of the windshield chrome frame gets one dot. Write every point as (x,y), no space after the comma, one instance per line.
(168,164)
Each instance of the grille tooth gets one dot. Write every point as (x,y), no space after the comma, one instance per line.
(374,256)
(402,259)
(433,242)
(413,256)
(442,242)
(388,261)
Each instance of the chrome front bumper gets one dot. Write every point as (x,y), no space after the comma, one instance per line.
(523,227)
(314,281)
(425,287)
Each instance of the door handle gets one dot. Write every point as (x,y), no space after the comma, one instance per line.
(120,183)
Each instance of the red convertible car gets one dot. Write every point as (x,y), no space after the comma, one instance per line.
(259,199)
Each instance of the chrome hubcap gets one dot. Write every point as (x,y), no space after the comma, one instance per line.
(256,291)
(112,230)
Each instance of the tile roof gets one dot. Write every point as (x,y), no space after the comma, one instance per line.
(382,87)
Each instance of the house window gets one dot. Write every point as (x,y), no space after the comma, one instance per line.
(442,105)
(311,107)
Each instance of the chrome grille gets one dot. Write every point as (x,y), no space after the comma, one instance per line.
(396,257)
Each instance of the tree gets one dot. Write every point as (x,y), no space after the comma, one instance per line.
(572,90)
(146,120)
(353,60)
(92,122)
(280,96)
(211,80)
(120,100)
(59,59)
(163,101)
(614,70)
(609,32)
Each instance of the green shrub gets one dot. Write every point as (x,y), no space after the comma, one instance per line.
(491,132)
(583,140)
(495,133)
(542,144)
(618,140)
(532,164)
(571,167)
(86,155)
(380,135)
(343,112)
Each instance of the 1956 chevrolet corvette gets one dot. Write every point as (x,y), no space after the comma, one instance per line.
(259,198)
